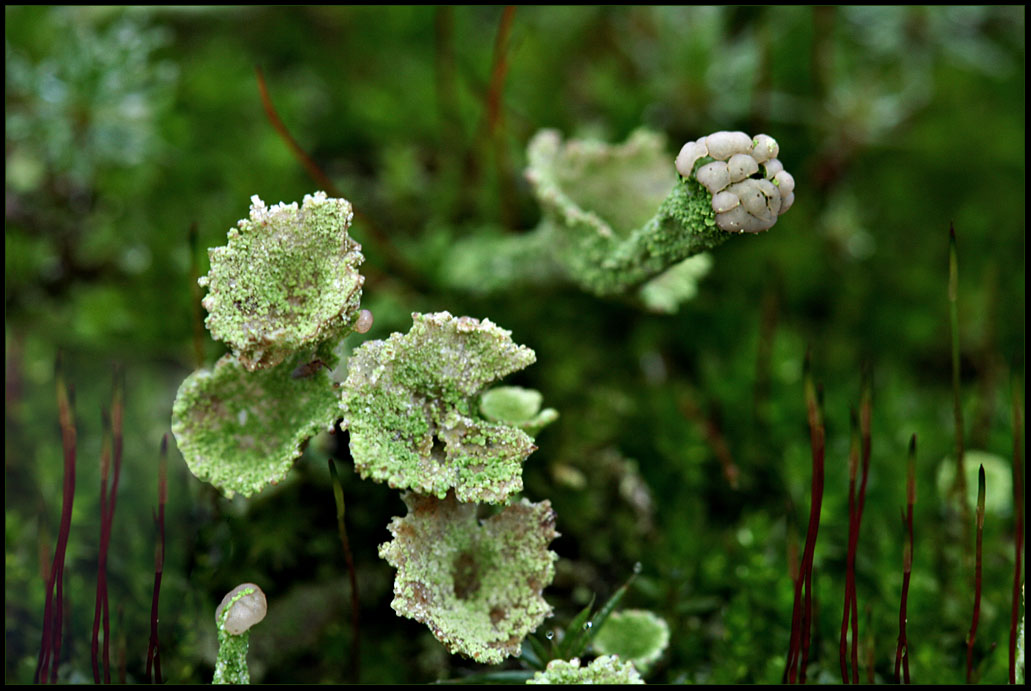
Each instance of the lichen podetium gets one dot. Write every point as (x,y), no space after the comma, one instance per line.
(476,584)
(410,404)
(286,280)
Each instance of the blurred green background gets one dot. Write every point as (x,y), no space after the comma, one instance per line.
(125,127)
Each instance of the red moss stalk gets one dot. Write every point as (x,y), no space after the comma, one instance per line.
(853,535)
(801,619)
(902,649)
(495,115)
(53,610)
(1018,528)
(105,467)
(977,575)
(154,647)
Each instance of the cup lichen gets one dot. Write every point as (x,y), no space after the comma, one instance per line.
(286,280)
(476,584)
(410,405)
(606,669)
(242,431)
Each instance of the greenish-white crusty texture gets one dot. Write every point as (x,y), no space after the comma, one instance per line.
(231,662)
(242,430)
(410,403)
(287,279)
(614,216)
(636,635)
(476,584)
(603,670)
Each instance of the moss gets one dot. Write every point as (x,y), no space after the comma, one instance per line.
(409,403)
(477,585)
(603,670)
(286,280)
(242,431)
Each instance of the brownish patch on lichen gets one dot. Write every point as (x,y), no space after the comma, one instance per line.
(496,615)
(466,576)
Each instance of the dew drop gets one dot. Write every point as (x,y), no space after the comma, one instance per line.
(638,567)
(549,635)
(588,625)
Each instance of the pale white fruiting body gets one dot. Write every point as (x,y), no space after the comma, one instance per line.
(749,185)
(245,610)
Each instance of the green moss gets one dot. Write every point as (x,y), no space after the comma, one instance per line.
(242,430)
(603,670)
(636,635)
(409,405)
(477,585)
(286,280)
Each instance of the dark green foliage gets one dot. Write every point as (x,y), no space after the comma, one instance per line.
(894,121)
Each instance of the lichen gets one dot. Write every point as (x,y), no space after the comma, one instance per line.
(233,640)
(676,285)
(286,280)
(617,213)
(410,405)
(748,183)
(517,406)
(614,217)
(636,635)
(242,431)
(476,584)
(603,670)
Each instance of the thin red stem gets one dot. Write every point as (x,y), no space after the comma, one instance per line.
(865,424)
(53,611)
(850,563)
(105,467)
(801,624)
(902,649)
(154,646)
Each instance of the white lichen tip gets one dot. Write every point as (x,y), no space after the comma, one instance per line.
(242,607)
(750,188)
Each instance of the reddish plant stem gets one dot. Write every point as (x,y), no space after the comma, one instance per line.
(273,117)
(865,424)
(154,646)
(53,610)
(117,417)
(850,564)
(714,437)
(902,649)
(105,467)
(495,115)
(1018,527)
(801,621)
(977,575)
(376,234)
